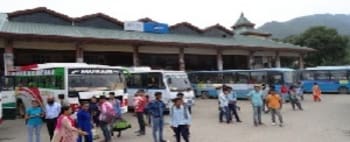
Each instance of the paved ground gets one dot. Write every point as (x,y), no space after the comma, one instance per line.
(328,121)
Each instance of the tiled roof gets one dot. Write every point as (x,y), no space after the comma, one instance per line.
(220,27)
(8,28)
(101,15)
(254,32)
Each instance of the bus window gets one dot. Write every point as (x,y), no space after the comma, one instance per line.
(308,75)
(155,81)
(258,77)
(242,77)
(322,75)
(135,81)
(229,77)
(275,78)
(59,82)
(338,75)
(7,84)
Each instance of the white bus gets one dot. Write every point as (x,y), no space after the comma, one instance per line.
(168,82)
(76,81)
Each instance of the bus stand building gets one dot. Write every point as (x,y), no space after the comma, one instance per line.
(41,35)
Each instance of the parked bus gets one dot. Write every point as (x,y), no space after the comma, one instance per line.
(242,81)
(7,99)
(168,82)
(76,81)
(331,79)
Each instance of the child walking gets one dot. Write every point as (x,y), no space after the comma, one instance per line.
(316,92)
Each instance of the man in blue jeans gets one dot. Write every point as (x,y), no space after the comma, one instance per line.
(156,109)
(256,99)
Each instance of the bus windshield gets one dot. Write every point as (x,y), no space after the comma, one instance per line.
(95,82)
(178,82)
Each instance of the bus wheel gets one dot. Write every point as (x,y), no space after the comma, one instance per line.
(343,90)
(204,95)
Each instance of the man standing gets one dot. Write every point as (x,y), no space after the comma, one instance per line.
(156,108)
(223,105)
(274,103)
(140,104)
(52,111)
(232,97)
(256,99)
(180,120)
(187,103)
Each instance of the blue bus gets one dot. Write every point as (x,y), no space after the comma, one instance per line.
(331,79)
(242,81)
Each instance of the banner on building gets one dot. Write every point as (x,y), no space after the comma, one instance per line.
(133,26)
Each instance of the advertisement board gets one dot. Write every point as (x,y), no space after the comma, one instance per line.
(133,26)
(153,27)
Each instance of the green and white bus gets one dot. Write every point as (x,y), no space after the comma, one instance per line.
(76,81)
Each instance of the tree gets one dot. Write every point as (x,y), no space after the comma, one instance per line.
(331,48)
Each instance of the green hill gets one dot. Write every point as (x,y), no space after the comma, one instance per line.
(341,22)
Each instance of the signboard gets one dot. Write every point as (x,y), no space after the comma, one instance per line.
(133,26)
(81,71)
(152,27)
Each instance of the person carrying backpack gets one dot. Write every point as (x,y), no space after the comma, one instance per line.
(118,111)
(107,114)
(180,119)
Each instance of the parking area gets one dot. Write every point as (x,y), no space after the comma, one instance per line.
(328,121)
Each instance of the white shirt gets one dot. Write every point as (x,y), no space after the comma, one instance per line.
(180,116)
(53,111)
(223,100)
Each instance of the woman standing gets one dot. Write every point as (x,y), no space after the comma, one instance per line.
(34,121)
(65,129)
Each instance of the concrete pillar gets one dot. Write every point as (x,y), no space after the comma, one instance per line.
(301,61)
(219,59)
(8,57)
(135,56)
(79,51)
(182,64)
(251,60)
(278,59)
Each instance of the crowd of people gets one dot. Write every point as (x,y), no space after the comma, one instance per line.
(264,99)
(66,125)
(105,112)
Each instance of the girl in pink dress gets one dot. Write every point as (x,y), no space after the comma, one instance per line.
(65,130)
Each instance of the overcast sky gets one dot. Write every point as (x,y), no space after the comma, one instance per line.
(201,13)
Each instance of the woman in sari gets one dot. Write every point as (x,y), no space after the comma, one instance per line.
(66,130)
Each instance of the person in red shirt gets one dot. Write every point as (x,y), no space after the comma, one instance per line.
(284,92)
(140,104)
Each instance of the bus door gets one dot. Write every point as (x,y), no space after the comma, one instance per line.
(8,98)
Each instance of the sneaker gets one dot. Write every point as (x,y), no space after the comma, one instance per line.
(273,124)
(281,125)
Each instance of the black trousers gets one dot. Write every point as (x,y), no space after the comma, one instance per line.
(182,130)
(51,124)
(141,121)
(233,110)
